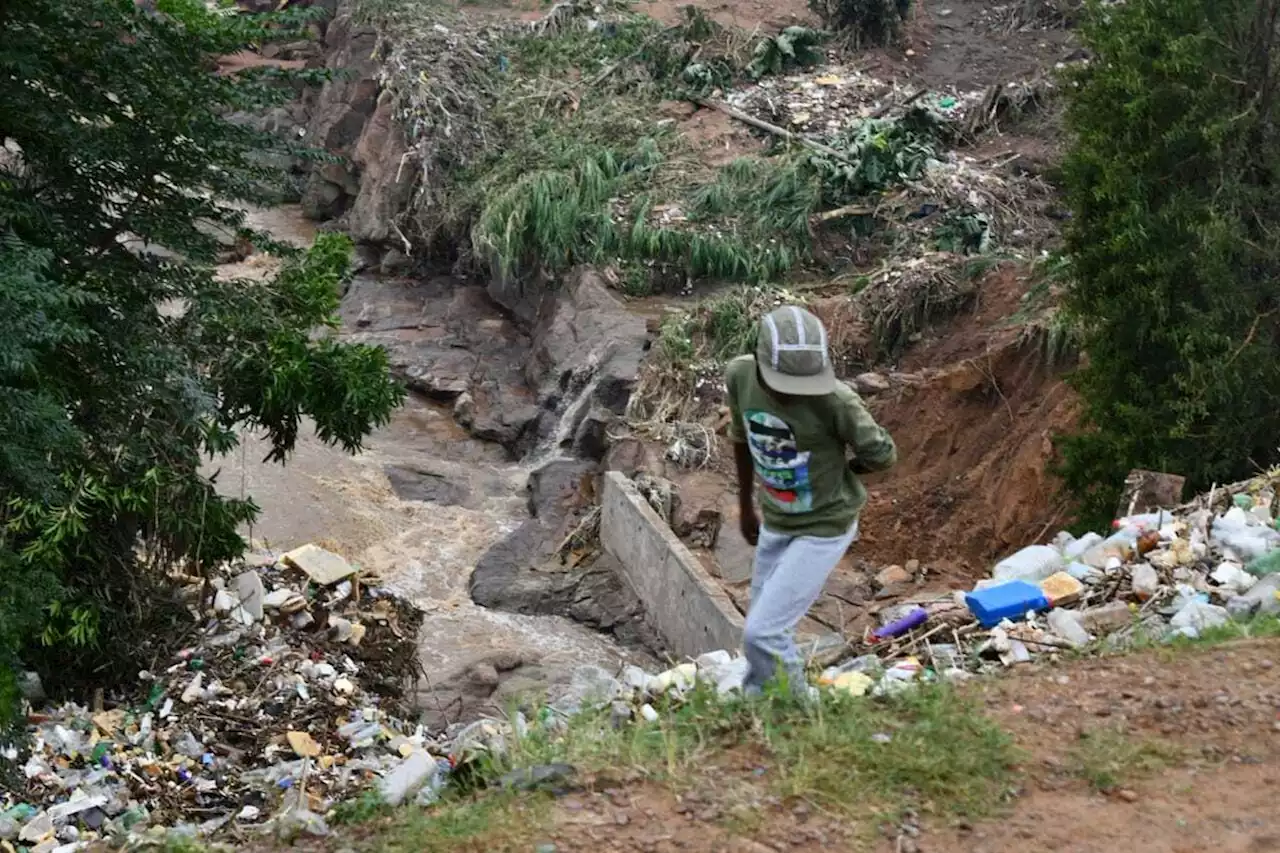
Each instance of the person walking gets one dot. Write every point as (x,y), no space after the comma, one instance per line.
(793,423)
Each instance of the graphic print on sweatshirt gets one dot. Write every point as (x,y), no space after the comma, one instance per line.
(782,468)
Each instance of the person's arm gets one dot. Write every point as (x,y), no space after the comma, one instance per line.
(748,523)
(747,520)
(873,447)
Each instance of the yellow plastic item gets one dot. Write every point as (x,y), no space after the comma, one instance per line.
(1061,588)
(853,683)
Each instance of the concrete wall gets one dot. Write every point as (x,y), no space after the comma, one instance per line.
(683,603)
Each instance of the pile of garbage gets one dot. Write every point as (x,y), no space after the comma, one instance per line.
(285,698)
(830,98)
(1158,576)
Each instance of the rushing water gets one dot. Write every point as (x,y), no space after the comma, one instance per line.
(424,550)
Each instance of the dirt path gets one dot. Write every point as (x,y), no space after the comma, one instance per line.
(1185,743)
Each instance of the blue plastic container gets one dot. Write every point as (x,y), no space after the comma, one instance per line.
(1011,600)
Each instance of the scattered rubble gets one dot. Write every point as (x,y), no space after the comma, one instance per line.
(283,701)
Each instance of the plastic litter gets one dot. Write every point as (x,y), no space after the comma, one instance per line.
(1066,624)
(1145,581)
(1033,563)
(913,619)
(1196,617)
(1011,600)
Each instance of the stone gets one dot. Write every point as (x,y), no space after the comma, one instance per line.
(589,687)
(464,409)
(439,484)
(435,383)
(322,200)
(1148,491)
(628,455)
(251,593)
(504,425)
(536,776)
(871,383)
(395,262)
(591,437)
(324,568)
(893,576)
(584,338)
(30,687)
(384,183)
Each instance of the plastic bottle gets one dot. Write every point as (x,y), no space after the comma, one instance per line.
(1144,521)
(1065,624)
(1119,545)
(1076,547)
(914,619)
(1033,563)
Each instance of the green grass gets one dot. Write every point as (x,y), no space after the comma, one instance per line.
(1110,758)
(1259,627)
(853,759)
(494,822)
(940,754)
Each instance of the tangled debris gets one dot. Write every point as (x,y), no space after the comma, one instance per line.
(1158,576)
(289,699)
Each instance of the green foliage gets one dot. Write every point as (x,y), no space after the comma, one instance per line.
(793,47)
(1174,245)
(879,154)
(121,369)
(593,204)
(864,22)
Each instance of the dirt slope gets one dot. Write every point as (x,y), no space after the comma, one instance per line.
(974,437)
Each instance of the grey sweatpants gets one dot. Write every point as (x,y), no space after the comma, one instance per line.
(790,572)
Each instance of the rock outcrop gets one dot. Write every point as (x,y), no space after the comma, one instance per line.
(353,119)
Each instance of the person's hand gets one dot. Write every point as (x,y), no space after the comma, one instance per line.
(749,524)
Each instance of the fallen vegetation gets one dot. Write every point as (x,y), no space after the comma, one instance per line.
(538,150)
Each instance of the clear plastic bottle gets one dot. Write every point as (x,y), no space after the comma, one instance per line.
(1032,564)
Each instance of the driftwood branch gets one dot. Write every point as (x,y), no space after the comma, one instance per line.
(783,133)
(847,210)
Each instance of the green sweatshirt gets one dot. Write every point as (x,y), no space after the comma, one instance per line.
(806,485)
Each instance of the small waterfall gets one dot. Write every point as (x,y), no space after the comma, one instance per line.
(576,403)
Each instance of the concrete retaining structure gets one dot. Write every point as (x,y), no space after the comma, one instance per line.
(683,603)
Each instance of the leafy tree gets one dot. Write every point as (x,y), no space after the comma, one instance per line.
(122,365)
(1175,244)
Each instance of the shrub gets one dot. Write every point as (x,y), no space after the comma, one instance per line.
(1175,244)
(864,22)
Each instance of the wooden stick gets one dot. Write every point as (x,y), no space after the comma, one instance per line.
(783,133)
(603,75)
(881,112)
(847,210)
